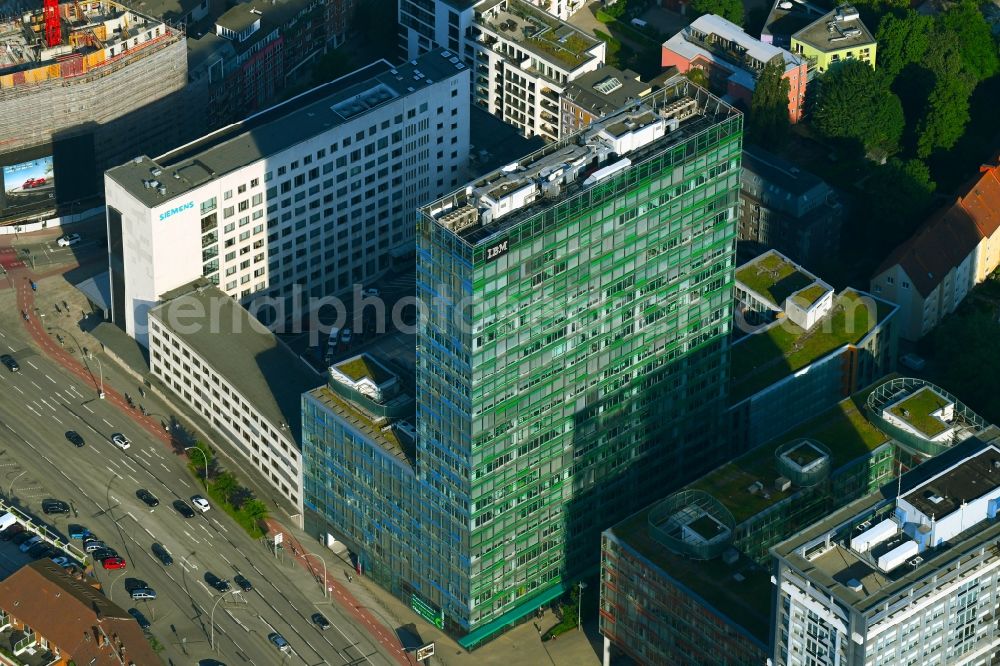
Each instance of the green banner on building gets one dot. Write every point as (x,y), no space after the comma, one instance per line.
(424,610)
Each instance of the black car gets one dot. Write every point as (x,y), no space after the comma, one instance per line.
(320,621)
(102,554)
(22,536)
(162,554)
(41,550)
(54,506)
(242,582)
(9,361)
(11,532)
(74,437)
(216,582)
(140,618)
(147,497)
(183,508)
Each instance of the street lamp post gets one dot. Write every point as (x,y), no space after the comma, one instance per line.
(211,617)
(326,589)
(11,488)
(579,605)
(203,455)
(100,368)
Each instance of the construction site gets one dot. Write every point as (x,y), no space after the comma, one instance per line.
(84,86)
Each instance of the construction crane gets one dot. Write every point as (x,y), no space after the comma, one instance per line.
(53,27)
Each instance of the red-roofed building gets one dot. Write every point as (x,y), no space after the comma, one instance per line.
(70,618)
(956,249)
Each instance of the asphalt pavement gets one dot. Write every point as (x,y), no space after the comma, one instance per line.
(47,398)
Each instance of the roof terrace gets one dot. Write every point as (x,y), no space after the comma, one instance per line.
(783,347)
(539,32)
(922,410)
(775,277)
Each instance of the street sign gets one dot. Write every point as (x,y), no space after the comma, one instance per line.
(425,652)
(279,537)
(424,610)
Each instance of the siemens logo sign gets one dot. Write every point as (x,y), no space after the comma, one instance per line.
(173,211)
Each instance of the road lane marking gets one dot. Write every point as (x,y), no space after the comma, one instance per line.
(164,467)
(32,365)
(36,385)
(125,462)
(33,410)
(51,380)
(88,409)
(107,421)
(58,419)
(226,559)
(206,587)
(18,390)
(133,481)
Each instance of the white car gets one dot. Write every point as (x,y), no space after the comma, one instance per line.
(373,292)
(345,336)
(121,441)
(201,503)
(69,240)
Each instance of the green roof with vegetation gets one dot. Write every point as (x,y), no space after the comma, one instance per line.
(808,296)
(556,39)
(363,366)
(783,348)
(917,410)
(746,602)
(772,277)
(843,429)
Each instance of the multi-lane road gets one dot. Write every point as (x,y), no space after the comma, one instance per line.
(43,401)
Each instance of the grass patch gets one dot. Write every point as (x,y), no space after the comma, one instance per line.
(774,278)
(810,295)
(224,490)
(917,411)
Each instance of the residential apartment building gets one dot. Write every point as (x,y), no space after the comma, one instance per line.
(957,248)
(572,362)
(800,347)
(316,192)
(65,619)
(733,60)
(787,209)
(906,575)
(787,18)
(597,94)
(256,51)
(837,36)
(428,24)
(236,374)
(522,57)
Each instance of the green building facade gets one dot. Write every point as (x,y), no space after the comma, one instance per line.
(572,360)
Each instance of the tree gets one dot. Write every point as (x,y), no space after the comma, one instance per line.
(966,357)
(975,41)
(255,510)
(896,196)
(697,76)
(854,102)
(902,40)
(225,483)
(945,119)
(767,124)
(731,10)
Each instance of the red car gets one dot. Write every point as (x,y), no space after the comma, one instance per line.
(113,563)
(33,182)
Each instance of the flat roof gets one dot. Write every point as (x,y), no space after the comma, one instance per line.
(695,109)
(242,350)
(367,423)
(538,31)
(835,567)
(241,16)
(774,276)
(494,143)
(761,359)
(834,31)
(843,429)
(605,90)
(279,127)
(746,602)
(967,481)
(779,173)
(783,23)
(364,366)
(917,410)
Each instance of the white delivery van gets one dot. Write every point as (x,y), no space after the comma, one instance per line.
(6,520)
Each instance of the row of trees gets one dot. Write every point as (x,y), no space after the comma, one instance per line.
(222,487)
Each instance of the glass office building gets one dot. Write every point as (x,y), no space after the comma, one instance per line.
(572,354)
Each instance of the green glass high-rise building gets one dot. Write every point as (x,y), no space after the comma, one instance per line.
(572,358)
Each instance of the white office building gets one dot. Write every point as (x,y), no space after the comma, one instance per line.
(230,369)
(907,579)
(522,56)
(318,191)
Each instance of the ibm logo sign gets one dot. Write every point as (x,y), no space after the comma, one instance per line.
(498,250)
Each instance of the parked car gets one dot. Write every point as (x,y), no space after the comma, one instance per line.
(103,554)
(28,543)
(74,438)
(50,506)
(320,621)
(219,584)
(41,549)
(78,531)
(9,361)
(244,584)
(22,536)
(279,641)
(372,292)
(162,554)
(143,593)
(345,336)
(121,441)
(182,508)
(11,532)
(147,497)
(201,503)
(68,240)
(91,546)
(144,624)
(113,563)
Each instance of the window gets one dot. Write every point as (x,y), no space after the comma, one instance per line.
(255,182)
(890,280)
(208,206)
(228,211)
(904,284)
(241,189)
(227,195)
